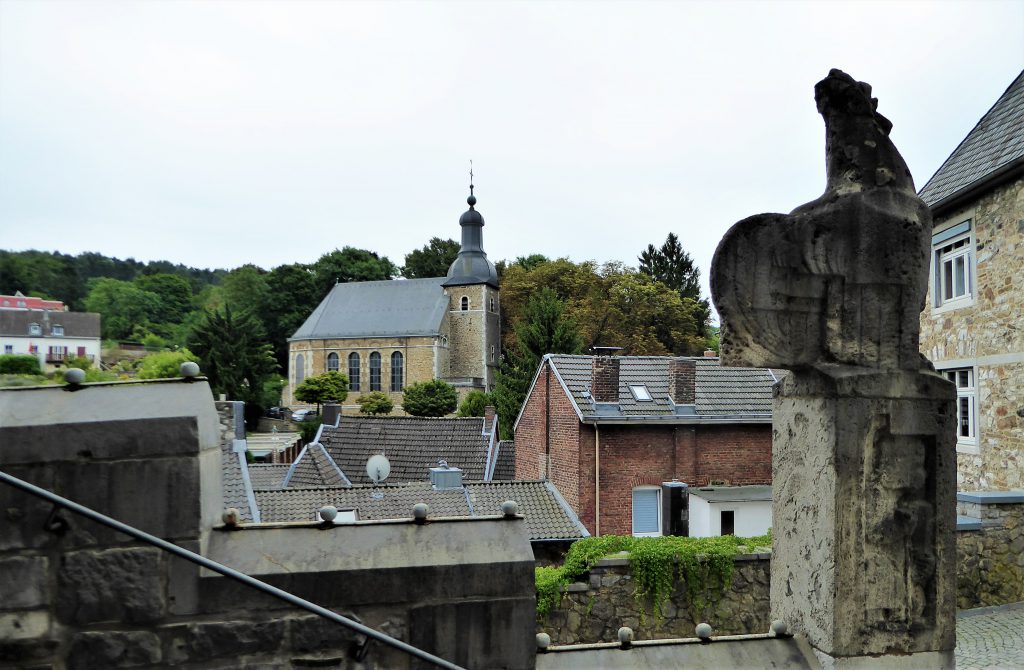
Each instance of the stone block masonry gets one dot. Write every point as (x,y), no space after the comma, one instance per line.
(76,595)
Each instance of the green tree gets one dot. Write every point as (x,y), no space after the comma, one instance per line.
(672,265)
(544,329)
(19,364)
(122,306)
(350,264)
(433,260)
(174,293)
(164,364)
(329,387)
(433,398)
(291,298)
(375,402)
(474,403)
(245,290)
(235,357)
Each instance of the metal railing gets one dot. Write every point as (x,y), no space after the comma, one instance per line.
(224,570)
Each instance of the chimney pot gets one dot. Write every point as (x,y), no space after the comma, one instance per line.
(710,353)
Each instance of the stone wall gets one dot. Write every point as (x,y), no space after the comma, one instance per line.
(474,333)
(76,594)
(987,334)
(594,611)
(990,565)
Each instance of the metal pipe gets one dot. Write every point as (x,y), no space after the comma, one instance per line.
(224,570)
(597,481)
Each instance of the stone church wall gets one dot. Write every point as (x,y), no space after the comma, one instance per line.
(988,335)
(474,333)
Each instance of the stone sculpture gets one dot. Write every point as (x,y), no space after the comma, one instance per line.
(863,438)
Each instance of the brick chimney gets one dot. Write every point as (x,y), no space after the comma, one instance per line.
(710,353)
(604,380)
(682,380)
(489,413)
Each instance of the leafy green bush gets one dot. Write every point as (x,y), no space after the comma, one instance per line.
(434,398)
(165,364)
(705,565)
(23,380)
(19,364)
(308,428)
(375,402)
(474,403)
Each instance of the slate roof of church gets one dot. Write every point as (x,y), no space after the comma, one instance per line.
(389,308)
(412,444)
(721,392)
(994,146)
(546,513)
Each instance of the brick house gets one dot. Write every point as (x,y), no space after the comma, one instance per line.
(609,431)
(385,335)
(972,327)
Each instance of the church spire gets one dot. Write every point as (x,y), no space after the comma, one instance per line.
(471,266)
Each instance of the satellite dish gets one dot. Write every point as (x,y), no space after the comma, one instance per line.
(378,468)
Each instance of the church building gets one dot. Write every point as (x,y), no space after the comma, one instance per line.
(385,335)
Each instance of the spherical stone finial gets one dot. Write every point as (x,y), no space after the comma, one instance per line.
(231,517)
(189,369)
(543,642)
(328,513)
(704,631)
(779,628)
(510,508)
(626,637)
(471,200)
(419,512)
(74,376)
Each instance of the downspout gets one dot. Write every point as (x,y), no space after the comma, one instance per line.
(547,423)
(597,481)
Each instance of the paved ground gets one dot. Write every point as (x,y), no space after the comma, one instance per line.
(990,637)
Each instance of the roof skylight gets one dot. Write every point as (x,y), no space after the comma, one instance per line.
(640,392)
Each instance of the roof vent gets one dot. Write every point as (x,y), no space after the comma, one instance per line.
(445,477)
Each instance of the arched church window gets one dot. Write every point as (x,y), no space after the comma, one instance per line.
(492,304)
(375,371)
(397,371)
(300,368)
(353,371)
(332,362)
(465,303)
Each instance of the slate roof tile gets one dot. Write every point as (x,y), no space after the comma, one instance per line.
(994,143)
(720,391)
(505,468)
(234,491)
(546,514)
(268,475)
(412,444)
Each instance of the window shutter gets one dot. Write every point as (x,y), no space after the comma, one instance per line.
(645,511)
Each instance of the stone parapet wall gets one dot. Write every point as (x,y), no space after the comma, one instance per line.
(594,611)
(990,560)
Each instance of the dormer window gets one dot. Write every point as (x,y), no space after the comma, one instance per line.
(640,392)
(465,304)
(35,329)
(57,331)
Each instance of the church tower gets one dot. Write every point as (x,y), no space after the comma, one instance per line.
(474,307)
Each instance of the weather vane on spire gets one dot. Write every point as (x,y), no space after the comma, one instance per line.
(471,176)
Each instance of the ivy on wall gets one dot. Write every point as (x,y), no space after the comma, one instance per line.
(704,564)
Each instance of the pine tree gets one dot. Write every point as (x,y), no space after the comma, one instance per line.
(673,266)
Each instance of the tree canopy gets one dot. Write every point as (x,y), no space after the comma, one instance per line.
(433,260)
(474,404)
(329,387)
(672,265)
(375,402)
(433,398)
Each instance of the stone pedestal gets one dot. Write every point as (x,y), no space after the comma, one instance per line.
(864,472)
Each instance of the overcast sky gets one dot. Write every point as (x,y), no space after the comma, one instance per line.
(221,133)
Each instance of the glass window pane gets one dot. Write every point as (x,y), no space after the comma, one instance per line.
(965,417)
(961,282)
(353,372)
(947,282)
(375,371)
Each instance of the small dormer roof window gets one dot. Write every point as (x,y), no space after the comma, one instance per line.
(640,392)
(57,331)
(35,329)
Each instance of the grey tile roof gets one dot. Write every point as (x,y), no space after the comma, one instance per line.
(505,468)
(15,322)
(412,444)
(995,143)
(546,514)
(314,467)
(378,308)
(268,475)
(233,480)
(720,391)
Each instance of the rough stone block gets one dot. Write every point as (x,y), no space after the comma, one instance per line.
(198,642)
(113,585)
(113,649)
(26,636)
(23,582)
(316,634)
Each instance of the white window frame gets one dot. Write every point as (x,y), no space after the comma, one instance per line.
(641,393)
(35,329)
(57,331)
(657,492)
(337,362)
(965,392)
(947,252)
(464,303)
